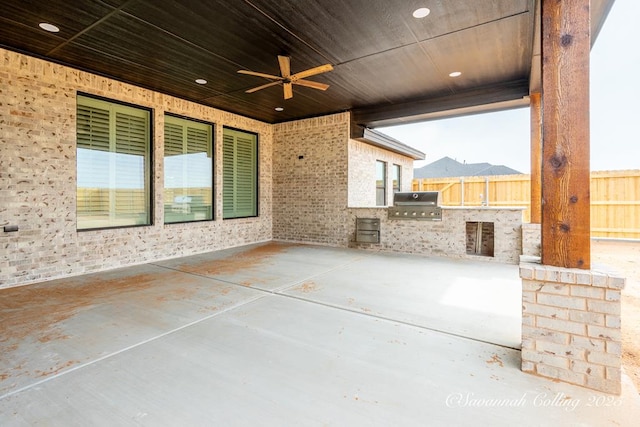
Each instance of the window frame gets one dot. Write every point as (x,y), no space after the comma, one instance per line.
(256,168)
(384,183)
(397,172)
(149,160)
(212,147)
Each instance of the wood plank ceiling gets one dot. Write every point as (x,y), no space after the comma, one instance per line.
(384,59)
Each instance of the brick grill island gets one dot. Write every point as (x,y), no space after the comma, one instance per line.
(455,236)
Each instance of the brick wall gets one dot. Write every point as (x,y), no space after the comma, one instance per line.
(447,237)
(317,172)
(38,178)
(305,189)
(571,326)
(310,180)
(362,173)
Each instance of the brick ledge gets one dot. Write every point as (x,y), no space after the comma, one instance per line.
(574,276)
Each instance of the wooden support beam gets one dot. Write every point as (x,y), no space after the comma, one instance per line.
(565,134)
(536,158)
(484,99)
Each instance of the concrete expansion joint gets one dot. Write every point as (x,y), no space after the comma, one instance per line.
(125,349)
(392,320)
(281,292)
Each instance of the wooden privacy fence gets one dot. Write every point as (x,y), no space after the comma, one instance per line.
(615,197)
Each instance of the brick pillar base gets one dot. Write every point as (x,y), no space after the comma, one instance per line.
(571,326)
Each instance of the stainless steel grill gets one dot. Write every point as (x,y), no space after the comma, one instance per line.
(417,205)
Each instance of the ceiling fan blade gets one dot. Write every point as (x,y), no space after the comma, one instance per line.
(288,90)
(285,65)
(314,85)
(287,79)
(266,76)
(255,89)
(311,72)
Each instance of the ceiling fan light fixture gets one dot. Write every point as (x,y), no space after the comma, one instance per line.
(49,27)
(201,81)
(421,12)
(455,74)
(278,109)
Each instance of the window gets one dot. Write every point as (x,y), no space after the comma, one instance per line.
(113,165)
(381,183)
(240,174)
(188,170)
(396,173)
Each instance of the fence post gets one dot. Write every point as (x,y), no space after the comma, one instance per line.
(486,191)
(461,191)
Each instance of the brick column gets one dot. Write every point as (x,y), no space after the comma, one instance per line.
(571,326)
(531,241)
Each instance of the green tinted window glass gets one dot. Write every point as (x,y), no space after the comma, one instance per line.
(188,170)
(113,165)
(240,174)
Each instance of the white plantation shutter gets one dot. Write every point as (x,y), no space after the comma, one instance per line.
(131,148)
(173,149)
(188,170)
(245,175)
(131,134)
(240,150)
(198,140)
(172,139)
(93,144)
(113,166)
(228,175)
(198,150)
(93,128)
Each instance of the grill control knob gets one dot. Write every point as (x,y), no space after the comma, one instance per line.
(414,214)
(397,213)
(405,214)
(422,214)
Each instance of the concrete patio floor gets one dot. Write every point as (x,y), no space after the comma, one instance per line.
(281,334)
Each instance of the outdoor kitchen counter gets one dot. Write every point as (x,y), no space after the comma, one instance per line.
(455,236)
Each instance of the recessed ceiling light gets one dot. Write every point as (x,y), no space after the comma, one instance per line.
(201,81)
(49,27)
(279,109)
(421,13)
(455,74)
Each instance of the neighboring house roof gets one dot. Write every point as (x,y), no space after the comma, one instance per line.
(448,167)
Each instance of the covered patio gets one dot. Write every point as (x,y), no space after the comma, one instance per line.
(122,300)
(283,334)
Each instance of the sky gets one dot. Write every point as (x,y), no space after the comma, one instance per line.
(503,138)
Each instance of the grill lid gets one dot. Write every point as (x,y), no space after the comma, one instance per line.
(417,198)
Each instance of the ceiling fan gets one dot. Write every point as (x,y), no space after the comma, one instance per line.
(287,80)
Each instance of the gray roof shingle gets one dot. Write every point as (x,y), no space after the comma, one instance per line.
(448,167)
